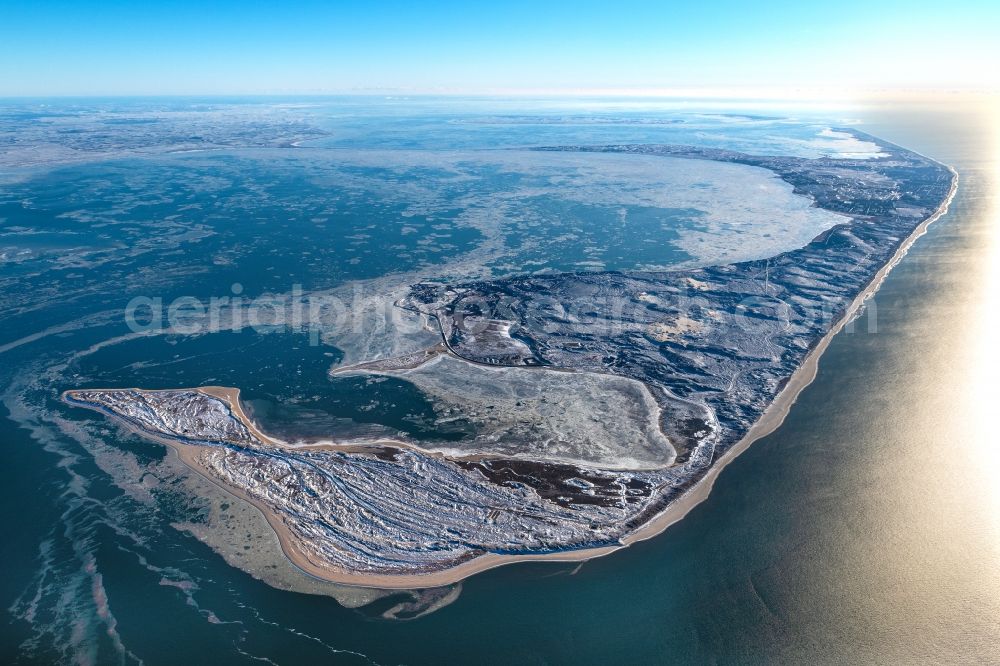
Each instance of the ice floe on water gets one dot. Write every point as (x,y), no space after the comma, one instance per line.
(839,144)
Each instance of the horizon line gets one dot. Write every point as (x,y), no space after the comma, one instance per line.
(741,93)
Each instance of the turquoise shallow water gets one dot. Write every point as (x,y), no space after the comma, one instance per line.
(867,528)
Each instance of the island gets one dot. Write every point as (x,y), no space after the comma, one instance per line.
(673,373)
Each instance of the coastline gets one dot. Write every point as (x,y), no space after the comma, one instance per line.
(189,454)
(770,420)
(774,416)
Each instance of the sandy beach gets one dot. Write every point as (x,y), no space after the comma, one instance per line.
(775,415)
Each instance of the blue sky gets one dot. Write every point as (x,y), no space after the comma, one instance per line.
(203,47)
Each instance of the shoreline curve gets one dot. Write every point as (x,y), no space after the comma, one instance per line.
(769,422)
